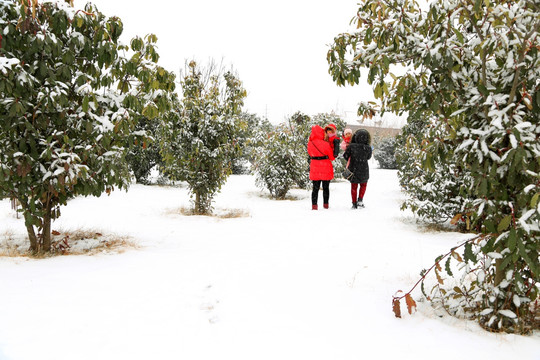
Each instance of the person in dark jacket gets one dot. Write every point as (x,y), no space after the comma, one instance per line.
(359,152)
(320,168)
(331,136)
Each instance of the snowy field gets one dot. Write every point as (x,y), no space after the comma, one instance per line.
(281,282)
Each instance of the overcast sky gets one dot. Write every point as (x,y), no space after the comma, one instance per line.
(277,47)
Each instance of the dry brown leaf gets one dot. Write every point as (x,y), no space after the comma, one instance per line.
(410,303)
(396,308)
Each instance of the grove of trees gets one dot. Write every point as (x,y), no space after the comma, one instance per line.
(82,113)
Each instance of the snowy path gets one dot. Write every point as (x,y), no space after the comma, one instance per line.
(283,283)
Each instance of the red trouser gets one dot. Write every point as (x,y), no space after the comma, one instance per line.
(354,189)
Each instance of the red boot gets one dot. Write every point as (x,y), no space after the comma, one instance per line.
(325,206)
(314,207)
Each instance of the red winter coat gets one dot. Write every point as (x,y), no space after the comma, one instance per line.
(318,147)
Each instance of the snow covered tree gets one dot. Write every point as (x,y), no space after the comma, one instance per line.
(279,164)
(199,140)
(384,153)
(298,128)
(69,100)
(142,159)
(323,119)
(249,125)
(436,191)
(472,68)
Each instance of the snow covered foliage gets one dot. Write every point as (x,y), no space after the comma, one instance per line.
(298,126)
(249,126)
(280,156)
(279,163)
(434,186)
(142,159)
(472,69)
(198,138)
(384,153)
(69,99)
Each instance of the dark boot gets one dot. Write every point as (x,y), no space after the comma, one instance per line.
(354,206)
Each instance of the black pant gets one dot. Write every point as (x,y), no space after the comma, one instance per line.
(325,193)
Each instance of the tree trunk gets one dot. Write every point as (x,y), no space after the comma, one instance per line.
(34,245)
(197,203)
(31,236)
(46,229)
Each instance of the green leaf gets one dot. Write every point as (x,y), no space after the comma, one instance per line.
(88,127)
(505,222)
(468,253)
(520,154)
(459,35)
(477,5)
(534,200)
(22,145)
(512,240)
(435,104)
(150,111)
(490,226)
(33,147)
(85,104)
(386,62)
(136,44)
(483,90)
(377,92)
(372,73)
(483,187)
(488,247)
(447,266)
(504,264)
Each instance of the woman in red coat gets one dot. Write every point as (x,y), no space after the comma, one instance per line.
(320,169)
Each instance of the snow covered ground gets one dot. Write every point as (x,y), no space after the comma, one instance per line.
(282,282)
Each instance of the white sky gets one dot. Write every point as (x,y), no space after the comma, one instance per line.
(277,47)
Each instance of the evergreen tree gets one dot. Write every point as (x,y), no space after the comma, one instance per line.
(472,68)
(298,126)
(384,153)
(278,164)
(69,100)
(249,125)
(199,138)
(323,119)
(142,159)
(436,190)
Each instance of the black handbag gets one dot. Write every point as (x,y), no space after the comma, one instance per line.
(346,173)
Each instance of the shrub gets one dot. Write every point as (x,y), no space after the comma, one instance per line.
(279,165)
(384,153)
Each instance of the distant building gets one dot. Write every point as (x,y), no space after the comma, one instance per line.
(376,131)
